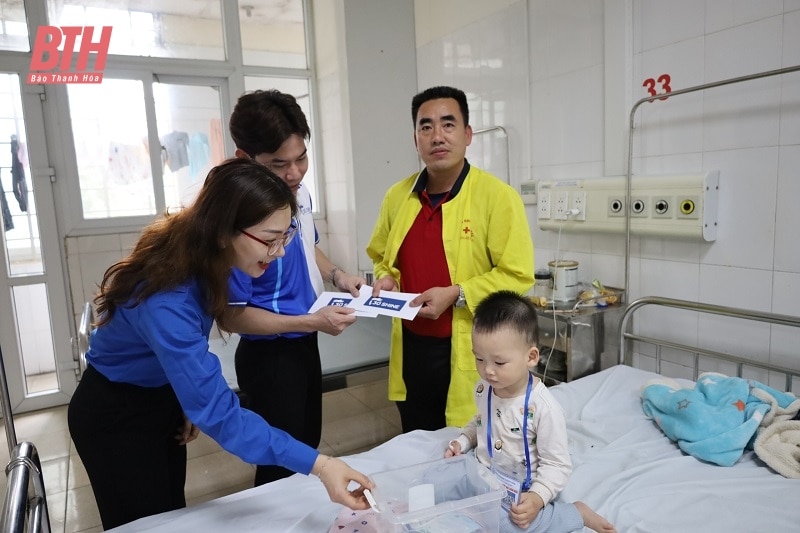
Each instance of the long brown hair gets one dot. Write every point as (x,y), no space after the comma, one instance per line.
(196,242)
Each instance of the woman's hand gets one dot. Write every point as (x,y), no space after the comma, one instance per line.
(187,432)
(336,475)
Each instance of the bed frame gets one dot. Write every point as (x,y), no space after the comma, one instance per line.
(25,505)
(627,338)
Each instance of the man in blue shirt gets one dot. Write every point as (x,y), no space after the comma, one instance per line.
(277,360)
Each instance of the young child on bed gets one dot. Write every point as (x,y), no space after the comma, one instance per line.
(505,340)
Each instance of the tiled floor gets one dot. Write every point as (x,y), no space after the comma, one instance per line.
(355,418)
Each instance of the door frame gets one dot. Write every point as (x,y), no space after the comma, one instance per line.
(53,259)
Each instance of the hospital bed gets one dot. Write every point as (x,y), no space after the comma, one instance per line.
(623,465)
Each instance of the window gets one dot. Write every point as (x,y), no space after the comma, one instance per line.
(111,147)
(190,131)
(13,28)
(171,28)
(146,137)
(273,33)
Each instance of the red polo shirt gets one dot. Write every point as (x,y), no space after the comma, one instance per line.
(421,258)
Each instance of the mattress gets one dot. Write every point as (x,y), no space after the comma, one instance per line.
(623,467)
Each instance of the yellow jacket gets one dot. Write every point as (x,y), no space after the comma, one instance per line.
(488,246)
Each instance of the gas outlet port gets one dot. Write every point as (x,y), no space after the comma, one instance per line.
(688,207)
(616,207)
(662,207)
(638,207)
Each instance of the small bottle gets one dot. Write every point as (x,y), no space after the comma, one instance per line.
(543,283)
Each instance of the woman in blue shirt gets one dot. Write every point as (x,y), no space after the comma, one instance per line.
(151,382)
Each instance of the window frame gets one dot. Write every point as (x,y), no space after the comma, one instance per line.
(228,75)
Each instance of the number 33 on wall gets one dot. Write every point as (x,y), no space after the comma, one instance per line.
(663,81)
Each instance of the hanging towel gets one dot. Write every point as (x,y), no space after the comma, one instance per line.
(176,145)
(199,154)
(8,222)
(18,184)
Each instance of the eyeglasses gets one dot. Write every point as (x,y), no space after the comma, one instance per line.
(274,246)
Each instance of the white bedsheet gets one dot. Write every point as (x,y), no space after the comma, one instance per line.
(623,467)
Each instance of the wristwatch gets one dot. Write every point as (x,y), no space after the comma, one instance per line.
(461,301)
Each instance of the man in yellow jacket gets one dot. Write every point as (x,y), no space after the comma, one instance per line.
(454,234)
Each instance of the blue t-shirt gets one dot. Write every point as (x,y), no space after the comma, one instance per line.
(284,288)
(164,340)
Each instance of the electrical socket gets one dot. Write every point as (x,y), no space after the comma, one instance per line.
(639,206)
(688,207)
(606,205)
(561,205)
(578,201)
(663,207)
(616,206)
(543,205)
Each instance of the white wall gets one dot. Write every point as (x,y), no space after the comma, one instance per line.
(575,53)
(366,77)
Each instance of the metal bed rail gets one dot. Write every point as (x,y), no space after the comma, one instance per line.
(85,327)
(626,337)
(25,504)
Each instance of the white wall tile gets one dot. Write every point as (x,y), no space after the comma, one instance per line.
(745,49)
(746,212)
(722,14)
(674,125)
(744,114)
(75,282)
(785,339)
(635,281)
(127,241)
(544,245)
(570,244)
(98,243)
(670,22)
(787,214)
(676,325)
(612,244)
(675,249)
(667,164)
(790,83)
(791,5)
(435,19)
(670,279)
(609,269)
(567,118)
(93,266)
(565,36)
(722,285)
(790,108)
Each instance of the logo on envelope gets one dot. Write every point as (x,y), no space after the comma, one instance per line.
(340,302)
(385,303)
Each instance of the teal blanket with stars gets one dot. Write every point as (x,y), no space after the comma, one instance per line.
(719,418)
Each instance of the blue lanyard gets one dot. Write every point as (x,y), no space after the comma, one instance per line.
(490,443)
